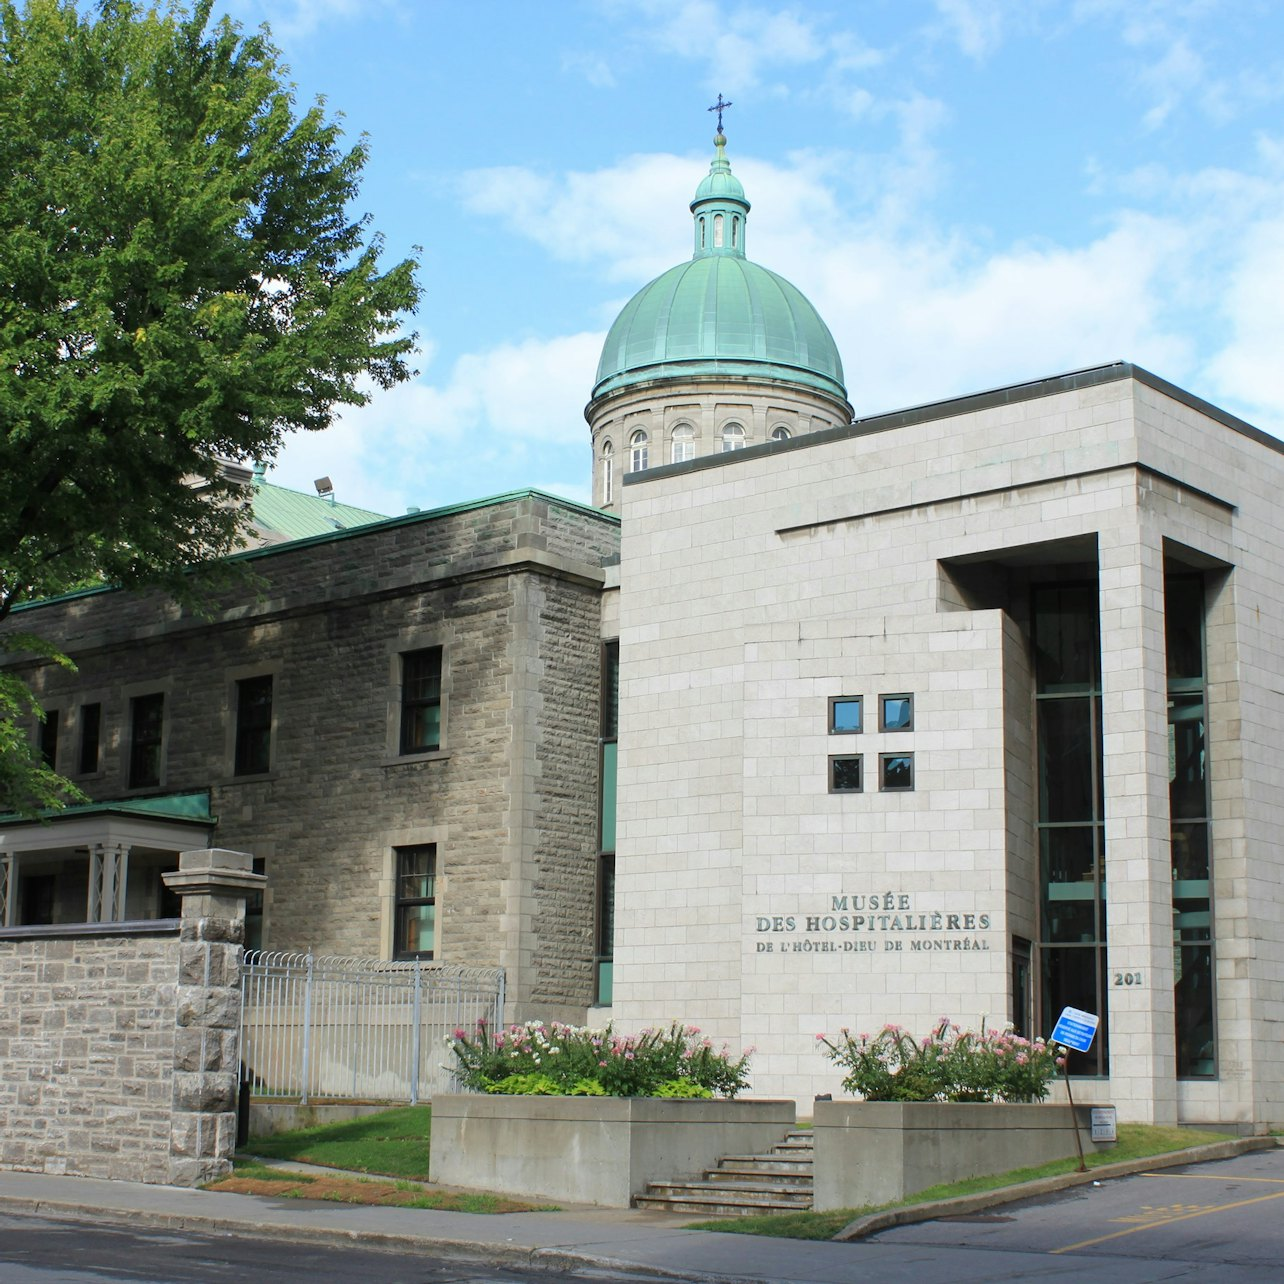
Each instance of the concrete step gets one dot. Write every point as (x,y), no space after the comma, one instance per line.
(720,1200)
(778,1182)
(739,1173)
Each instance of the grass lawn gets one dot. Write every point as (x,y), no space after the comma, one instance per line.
(393,1143)
(251,1177)
(1136,1141)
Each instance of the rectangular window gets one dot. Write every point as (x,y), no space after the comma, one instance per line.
(896,713)
(845,774)
(253,726)
(91,718)
(146,728)
(254,910)
(1191,826)
(605,928)
(608,726)
(845,715)
(1066,642)
(416,909)
(895,772)
(421,700)
(610,690)
(49,739)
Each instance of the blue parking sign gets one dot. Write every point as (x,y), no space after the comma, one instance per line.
(1075,1029)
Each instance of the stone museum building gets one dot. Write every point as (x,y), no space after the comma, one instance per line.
(814,720)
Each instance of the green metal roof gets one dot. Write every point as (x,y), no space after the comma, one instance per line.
(720,315)
(183,807)
(282,515)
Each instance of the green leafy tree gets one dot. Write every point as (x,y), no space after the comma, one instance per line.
(181,284)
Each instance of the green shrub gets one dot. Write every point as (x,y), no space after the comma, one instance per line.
(682,1090)
(951,1064)
(583,1062)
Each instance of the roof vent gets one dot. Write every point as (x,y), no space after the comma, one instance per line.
(325,488)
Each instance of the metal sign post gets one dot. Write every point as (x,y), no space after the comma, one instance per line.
(1074,1030)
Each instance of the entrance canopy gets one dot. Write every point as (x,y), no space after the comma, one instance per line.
(98,863)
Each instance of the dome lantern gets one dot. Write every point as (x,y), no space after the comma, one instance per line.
(720,208)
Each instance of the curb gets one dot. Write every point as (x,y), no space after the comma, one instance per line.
(382,1241)
(871,1223)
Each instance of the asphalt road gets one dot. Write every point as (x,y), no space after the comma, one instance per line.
(37,1250)
(1213,1223)
(1220,1223)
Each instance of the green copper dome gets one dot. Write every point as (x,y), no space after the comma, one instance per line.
(720,315)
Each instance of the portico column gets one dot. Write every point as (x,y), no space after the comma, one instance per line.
(108,873)
(7,910)
(1139,952)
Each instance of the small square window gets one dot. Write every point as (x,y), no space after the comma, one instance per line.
(896,713)
(845,715)
(895,772)
(845,774)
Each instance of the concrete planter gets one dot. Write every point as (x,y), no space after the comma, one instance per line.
(591,1150)
(876,1152)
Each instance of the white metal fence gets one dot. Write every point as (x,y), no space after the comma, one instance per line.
(319,1027)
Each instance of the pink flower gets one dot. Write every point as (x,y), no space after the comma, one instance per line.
(459,1034)
(820,1038)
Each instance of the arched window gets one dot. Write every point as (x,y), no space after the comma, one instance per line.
(702,230)
(683,443)
(780,433)
(733,437)
(608,472)
(638,450)
(735,230)
(717,231)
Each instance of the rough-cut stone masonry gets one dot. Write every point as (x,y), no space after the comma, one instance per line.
(119,1053)
(87,1055)
(511,591)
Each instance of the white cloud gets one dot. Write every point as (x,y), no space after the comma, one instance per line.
(518,402)
(608,217)
(1248,369)
(593,67)
(977,25)
(297,19)
(741,46)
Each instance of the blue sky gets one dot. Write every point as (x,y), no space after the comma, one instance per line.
(972,192)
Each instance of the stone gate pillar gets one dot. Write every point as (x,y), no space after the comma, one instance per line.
(214,885)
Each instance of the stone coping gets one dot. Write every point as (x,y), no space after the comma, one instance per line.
(71,931)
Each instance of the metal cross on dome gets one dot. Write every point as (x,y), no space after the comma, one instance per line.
(720,107)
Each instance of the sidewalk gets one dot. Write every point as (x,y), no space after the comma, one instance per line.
(616,1239)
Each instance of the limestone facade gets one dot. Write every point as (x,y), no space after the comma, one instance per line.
(901,557)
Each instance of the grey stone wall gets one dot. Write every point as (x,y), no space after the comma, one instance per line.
(119,1047)
(511,590)
(87,1055)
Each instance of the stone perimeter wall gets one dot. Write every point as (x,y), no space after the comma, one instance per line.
(119,1053)
(87,1055)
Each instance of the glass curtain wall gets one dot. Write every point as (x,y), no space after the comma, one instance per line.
(1189,808)
(1071,812)
(609,731)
